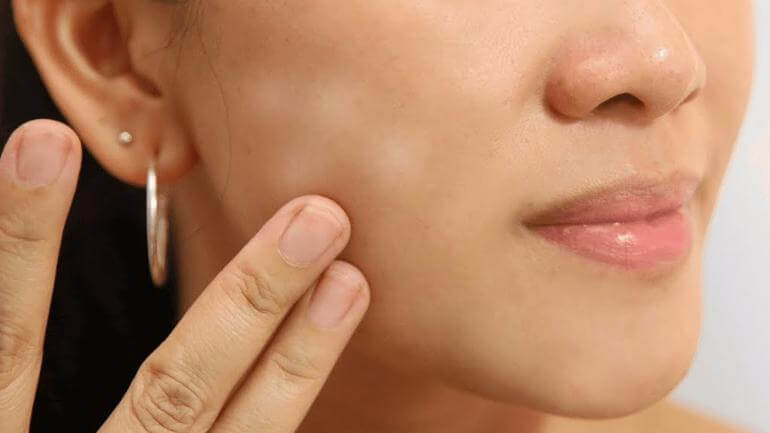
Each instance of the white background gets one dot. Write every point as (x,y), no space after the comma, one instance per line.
(730,377)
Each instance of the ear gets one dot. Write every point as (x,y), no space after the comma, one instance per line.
(83,53)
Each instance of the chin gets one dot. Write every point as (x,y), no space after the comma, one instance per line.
(609,376)
(591,392)
(613,392)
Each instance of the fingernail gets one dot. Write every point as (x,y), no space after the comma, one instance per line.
(40,156)
(332,298)
(310,233)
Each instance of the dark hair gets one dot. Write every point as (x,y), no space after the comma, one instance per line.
(106,316)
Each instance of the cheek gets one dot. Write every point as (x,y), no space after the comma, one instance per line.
(730,60)
(312,89)
(320,106)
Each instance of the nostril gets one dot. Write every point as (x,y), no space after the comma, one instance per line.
(626,98)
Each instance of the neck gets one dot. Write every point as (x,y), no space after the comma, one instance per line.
(361,394)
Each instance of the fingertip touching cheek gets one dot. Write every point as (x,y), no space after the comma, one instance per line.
(447,131)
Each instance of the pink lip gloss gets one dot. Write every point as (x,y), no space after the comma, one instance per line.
(632,244)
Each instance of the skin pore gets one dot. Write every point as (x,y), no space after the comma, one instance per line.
(439,126)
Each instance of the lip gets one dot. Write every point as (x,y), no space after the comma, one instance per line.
(637,223)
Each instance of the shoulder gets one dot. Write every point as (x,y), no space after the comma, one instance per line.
(667,416)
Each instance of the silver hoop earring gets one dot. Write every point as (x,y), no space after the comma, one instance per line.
(157,227)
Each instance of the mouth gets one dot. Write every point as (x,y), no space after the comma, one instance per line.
(636,224)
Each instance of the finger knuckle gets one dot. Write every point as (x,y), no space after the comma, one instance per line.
(16,236)
(253,290)
(17,353)
(168,400)
(296,369)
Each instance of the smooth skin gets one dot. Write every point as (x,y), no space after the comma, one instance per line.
(221,369)
(439,126)
(250,354)
(246,356)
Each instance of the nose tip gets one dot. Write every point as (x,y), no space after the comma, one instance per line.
(653,71)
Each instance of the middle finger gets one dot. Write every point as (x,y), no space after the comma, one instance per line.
(185,382)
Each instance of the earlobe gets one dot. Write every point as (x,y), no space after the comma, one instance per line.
(82,53)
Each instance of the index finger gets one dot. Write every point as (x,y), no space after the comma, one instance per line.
(227,327)
(38,173)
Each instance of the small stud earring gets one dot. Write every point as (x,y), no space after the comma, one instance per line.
(125,138)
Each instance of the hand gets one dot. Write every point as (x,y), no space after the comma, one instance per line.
(227,366)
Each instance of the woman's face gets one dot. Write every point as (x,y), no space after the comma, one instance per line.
(442,127)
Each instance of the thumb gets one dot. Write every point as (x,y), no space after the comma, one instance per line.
(39,168)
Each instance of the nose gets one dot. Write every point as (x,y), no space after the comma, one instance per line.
(638,58)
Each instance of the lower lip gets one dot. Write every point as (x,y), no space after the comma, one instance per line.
(633,245)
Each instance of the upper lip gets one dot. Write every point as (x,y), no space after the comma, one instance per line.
(630,199)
